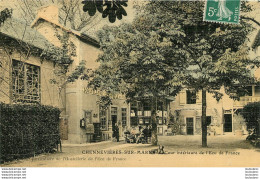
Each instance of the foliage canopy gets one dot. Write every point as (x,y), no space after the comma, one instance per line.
(169,46)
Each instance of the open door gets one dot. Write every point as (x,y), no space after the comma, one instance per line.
(114,120)
(227,122)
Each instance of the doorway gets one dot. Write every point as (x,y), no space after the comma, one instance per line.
(227,122)
(113,116)
(114,120)
(190,127)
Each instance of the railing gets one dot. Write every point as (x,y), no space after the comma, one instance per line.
(245,100)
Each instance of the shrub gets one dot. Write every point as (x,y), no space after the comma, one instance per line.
(27,130)
(251,113)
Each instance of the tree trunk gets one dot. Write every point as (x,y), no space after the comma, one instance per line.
(154,139)
(203,118)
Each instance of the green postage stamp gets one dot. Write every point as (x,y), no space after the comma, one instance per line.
(223,11)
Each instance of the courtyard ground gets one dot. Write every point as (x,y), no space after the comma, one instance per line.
(180,151)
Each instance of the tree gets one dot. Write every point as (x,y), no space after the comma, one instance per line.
(115,10)
(247,8)
(137,63)
(218,54)
(169,46)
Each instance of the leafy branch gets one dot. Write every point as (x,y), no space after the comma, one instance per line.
(5,14)
(113,9)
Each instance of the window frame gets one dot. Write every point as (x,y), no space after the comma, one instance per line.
(124,117)
(249,90)
(103,118)
(191,97)
(25,77)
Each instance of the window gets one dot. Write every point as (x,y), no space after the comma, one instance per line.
(134,104)
(113,110)
(103,118)
(134,121)
(147,121)
(114,117)
(191,97)
(208,120)
(160,121)
(249,91)
(123,117)
(25,82)
(159,105)
(140,109)
(133,112)
(189,126)
(140,106)
(257,90)
(147,106)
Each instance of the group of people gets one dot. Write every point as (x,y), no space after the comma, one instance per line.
(138,134)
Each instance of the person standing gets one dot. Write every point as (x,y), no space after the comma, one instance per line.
(116,132)
(145,131)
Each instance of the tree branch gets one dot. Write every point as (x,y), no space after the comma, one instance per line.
(252,19)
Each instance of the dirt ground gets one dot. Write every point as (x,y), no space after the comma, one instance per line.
(179,151)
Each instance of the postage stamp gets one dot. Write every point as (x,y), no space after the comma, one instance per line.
(222,11)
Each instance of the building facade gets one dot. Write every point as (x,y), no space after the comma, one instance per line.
(84,118)
(223,117)
(141,114)
(29,78)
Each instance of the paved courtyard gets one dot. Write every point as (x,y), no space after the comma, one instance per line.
(180,151)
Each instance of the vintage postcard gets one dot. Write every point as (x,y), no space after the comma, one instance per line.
(129,83)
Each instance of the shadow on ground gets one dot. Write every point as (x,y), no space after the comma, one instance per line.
(181,142)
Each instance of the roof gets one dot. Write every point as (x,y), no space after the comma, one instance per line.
(257,40)
(82,36)
(20,31)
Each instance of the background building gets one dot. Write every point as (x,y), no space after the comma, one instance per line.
(141,113)
(223,117)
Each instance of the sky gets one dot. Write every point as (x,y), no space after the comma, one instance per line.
(100,22)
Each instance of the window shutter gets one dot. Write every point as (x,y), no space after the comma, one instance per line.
(183,97)
(199,97)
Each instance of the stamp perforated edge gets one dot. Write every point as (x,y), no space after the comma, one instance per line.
(222,22)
